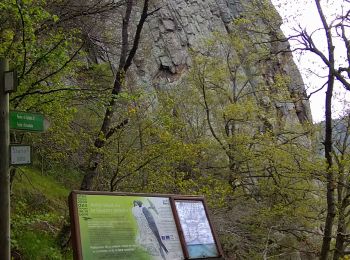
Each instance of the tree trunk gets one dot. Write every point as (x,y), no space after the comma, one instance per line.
(342,204)
(126,58)
(331,183)
(340,239)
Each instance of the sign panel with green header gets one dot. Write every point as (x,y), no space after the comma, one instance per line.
(110,226)
(25,121)
(127,227)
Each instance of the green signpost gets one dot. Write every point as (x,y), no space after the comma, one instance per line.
(27,121)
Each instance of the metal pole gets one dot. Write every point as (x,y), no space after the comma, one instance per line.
(5,248)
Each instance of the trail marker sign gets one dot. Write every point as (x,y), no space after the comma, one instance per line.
(33,122)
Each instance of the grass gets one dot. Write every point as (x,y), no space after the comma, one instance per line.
(31,180)
(38,210)
(38,246)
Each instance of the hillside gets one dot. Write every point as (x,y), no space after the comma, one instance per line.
(39,209)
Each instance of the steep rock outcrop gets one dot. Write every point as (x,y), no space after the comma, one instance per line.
(180,25)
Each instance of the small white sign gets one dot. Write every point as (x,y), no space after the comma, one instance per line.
(20,154)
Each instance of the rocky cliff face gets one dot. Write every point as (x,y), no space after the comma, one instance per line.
(165,58)
(180,25)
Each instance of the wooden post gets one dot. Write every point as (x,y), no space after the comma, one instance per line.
(5,245)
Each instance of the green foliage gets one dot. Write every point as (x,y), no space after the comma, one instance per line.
(259,158)
(38,211)
(37,246)
(44,55)
(217,133)
(30,181)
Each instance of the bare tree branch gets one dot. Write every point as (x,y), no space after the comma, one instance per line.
(23,38)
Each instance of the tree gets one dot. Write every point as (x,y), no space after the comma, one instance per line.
(260,157)
(125,60)
(41,56)
(335,28)
(44,43)
(340,155)
(335,58)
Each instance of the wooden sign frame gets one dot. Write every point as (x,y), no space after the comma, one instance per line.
(76,231)
(201,200)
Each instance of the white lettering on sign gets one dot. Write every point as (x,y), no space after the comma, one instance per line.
(28,125)
(25,125)
(31,118)
(26,117)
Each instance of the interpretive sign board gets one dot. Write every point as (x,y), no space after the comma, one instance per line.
(27,121)
(20,154)
(108,225)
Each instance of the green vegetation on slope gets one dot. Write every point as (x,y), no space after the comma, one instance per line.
(39,209)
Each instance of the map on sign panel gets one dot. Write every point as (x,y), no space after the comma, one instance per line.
(196,229)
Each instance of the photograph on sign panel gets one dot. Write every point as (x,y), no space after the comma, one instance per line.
(198,235)
(127,227)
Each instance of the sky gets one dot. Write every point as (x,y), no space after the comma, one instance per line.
(303,13)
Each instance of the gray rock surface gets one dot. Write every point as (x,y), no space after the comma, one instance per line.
(181,25)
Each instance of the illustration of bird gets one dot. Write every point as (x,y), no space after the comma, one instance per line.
(146,222)
(151,206)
